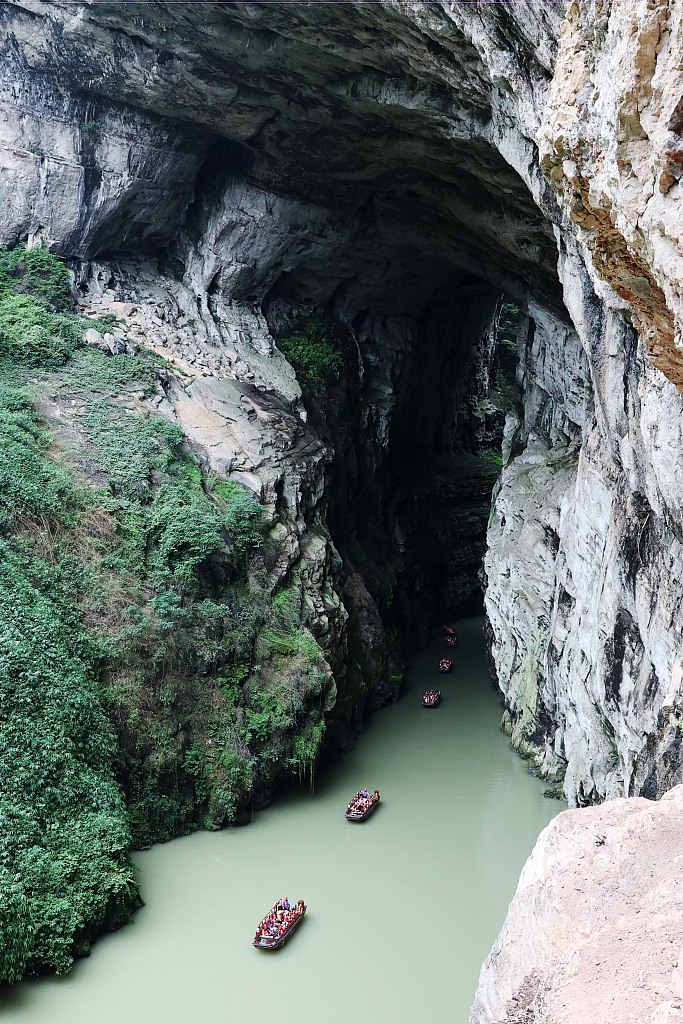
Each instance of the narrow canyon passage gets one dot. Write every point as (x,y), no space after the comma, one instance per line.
(402,910)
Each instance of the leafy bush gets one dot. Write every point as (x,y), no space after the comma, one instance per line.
(305,750)
(508,323)
(317,361)
(29,484)
(36,273)
(243,517)
(32,335)
(130,448)
(92,370)
(184,530)
(63,827)
(160,503)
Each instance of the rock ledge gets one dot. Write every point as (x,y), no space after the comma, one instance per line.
(593,934)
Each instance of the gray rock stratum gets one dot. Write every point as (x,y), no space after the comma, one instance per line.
(218,173)
(396,167)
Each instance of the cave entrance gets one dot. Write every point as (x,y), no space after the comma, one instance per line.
(415,418)
(404,266)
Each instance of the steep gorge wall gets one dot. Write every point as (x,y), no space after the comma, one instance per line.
(219,174)
(444,199)
(275,213)
(591,667)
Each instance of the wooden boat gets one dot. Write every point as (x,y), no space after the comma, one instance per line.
(445,665)
(431,699)
(292,922)
(360,814)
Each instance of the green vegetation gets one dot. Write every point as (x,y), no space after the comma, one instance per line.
(63,830)
(91,131)
(315,355)
(508,325)
(135,601)
(495,458)
(35,330)
(94,372)
(36,273)
(63,827)
(610,736)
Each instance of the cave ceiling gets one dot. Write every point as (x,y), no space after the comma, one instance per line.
(391,123)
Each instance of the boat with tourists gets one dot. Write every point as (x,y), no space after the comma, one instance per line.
(362,805)
(279,925)
(450,636)
(431,699)
(445,665)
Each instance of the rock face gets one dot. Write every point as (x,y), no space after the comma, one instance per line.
(224,173)
(593,933)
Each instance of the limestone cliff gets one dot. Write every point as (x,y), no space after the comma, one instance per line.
(221,175)
(386,168)
(593,933)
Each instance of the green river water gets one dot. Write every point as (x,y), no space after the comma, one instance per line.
(402,910)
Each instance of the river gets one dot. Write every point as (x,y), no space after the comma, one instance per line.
(402,910)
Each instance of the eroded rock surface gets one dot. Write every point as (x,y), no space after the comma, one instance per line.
(593,934)
(394,168)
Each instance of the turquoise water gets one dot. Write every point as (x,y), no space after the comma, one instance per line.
(402,909)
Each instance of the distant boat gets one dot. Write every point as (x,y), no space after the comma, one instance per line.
(431,699)
(359,809)
(450,635)
(271,933)
(445,665)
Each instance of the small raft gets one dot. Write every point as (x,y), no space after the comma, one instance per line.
(445,665)
(359,809)
(451,641)
(431,699)
(286,928)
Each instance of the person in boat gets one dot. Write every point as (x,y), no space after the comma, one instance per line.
(285,904)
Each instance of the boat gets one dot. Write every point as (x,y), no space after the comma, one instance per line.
(450,635)
(431,699)
(445,665)
(283,929)
(452,641)
(359,809)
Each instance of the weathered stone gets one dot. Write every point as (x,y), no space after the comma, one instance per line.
(593,933)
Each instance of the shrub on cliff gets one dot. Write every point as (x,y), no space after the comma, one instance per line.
(32,335)
(156,493)
(314,355)
(36,328)
(36,273)
(63,826)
